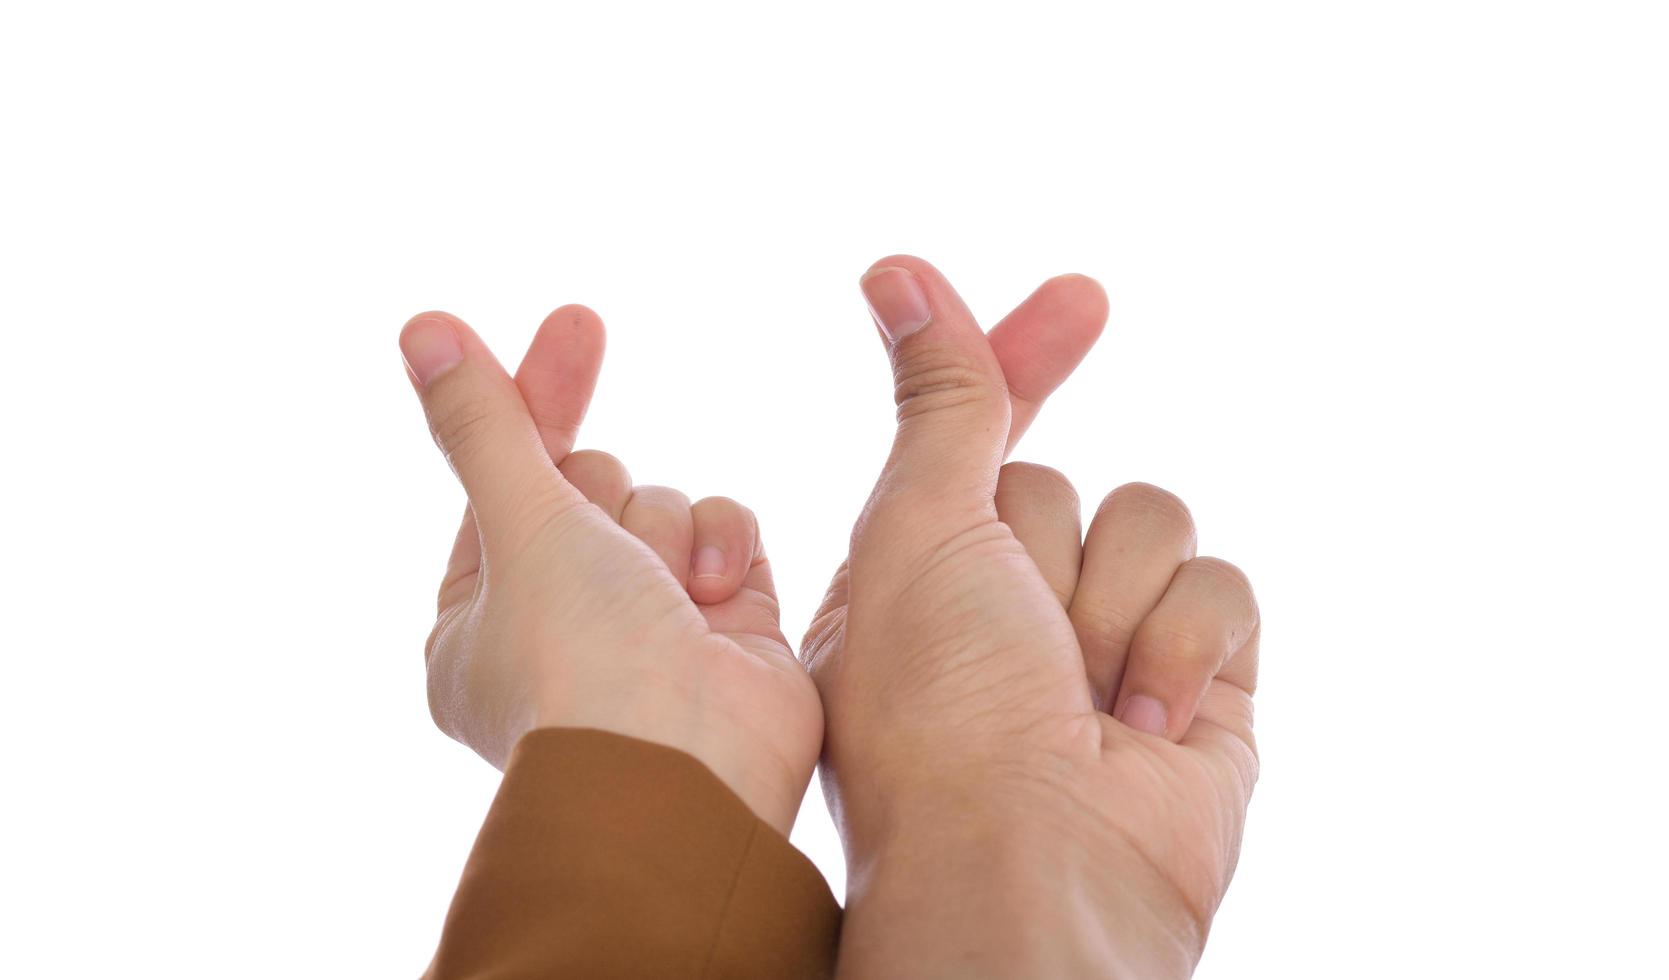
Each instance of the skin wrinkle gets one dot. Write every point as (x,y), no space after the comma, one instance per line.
(954,708)
(573,619)
(964,709)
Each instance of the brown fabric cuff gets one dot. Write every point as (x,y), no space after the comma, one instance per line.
(608,856)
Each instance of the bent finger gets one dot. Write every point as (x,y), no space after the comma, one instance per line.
(1039,505)
(1139,537)
(660,518)
(1207,616)
(726,539)
(601,478)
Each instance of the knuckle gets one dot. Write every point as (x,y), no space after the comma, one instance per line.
(657,513)
(594,463)
(1037,480)
(723,506)
(599,476)
(461,428)
(659,498)
(1228,577)
(937,379)
(1103,626)
(1172,644)
(724,516)
(1153,504)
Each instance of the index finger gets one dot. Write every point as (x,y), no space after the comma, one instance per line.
(558,375)
(1043,340)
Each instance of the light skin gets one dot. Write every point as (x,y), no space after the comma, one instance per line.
(573,599)
(997,819)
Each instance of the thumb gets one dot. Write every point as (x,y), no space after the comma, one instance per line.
(480,422)
(953,409)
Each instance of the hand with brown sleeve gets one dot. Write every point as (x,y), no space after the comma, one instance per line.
(617,652)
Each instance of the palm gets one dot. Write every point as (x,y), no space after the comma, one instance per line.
(1181,806)
(738,636)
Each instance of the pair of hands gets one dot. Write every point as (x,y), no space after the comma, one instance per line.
(1038,745)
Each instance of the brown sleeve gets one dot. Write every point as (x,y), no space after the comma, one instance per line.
(607,856)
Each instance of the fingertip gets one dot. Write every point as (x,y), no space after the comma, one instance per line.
(900,260)
(1082,294)
(434,315)
(1167,673)
(710,576)
(1144,713)
(599,477)
(708,562)
(943,299)
(574,318)
(450,321)
(559,372)
(1044,339)
(726,538)
(1040,486)
(896,301)
(661,518)
(431,345)
(569,335)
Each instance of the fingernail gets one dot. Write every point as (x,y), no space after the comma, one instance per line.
(1144,714)
(708,562)
(430,346)
(896,301)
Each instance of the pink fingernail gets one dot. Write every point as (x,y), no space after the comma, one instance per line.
(708,562)
(430,346)
(1144,714)
(896,301)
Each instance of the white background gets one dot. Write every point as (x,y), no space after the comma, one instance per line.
(1389,296)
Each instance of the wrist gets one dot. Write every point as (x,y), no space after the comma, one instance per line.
(1011,883)
(688,715)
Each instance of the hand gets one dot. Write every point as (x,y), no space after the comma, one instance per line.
(996,818)
(574,600)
